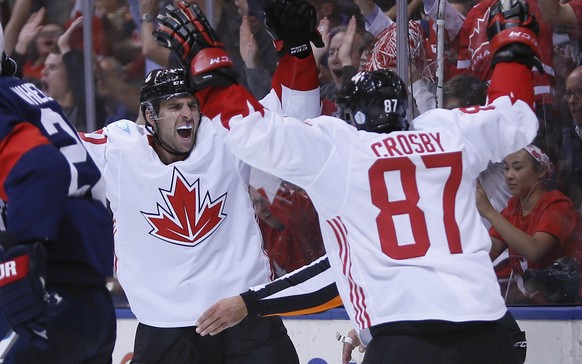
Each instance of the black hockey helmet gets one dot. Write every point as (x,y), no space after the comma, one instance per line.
(374,101)
(160,85)
(163,83)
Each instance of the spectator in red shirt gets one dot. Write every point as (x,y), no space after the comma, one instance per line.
(537,226)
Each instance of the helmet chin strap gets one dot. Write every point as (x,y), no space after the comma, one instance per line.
(157,139)
(159,142)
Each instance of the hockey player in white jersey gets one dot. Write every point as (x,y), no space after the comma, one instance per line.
(185,230)
(397,208)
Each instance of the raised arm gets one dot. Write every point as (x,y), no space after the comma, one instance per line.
(515,50)
(532,247)
(187,33)
(557,13)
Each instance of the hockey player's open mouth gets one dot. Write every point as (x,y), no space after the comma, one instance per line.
(185,131)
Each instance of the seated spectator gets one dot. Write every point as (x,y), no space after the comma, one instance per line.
(537,227)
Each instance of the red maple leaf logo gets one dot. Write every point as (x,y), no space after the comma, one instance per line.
(186,219)
(479,48)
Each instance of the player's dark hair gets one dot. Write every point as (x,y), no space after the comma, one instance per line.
(469,90)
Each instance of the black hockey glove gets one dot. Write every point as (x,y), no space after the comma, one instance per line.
(292,25)
(513,34)
(7,65)
(186,32)
(23,300)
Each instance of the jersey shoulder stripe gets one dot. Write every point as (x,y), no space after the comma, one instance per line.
(21,139)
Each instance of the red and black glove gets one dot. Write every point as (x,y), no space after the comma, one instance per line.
(24,301)
(513,34)
(186,32)
(292,25)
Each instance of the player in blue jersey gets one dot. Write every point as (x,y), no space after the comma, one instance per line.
(55,230)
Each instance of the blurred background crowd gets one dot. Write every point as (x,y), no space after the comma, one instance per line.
(46,38)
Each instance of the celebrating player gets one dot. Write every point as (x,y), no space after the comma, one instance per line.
(397,208)
(185,230)
(57,235)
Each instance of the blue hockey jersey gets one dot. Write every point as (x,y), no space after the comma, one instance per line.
(50,188)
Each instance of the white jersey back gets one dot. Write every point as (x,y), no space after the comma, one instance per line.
(185,232)
(397,210)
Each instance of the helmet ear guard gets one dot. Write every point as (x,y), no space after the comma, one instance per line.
(375,101)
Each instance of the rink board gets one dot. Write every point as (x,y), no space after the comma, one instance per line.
(554,335)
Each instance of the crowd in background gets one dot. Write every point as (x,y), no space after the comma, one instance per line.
(45,38)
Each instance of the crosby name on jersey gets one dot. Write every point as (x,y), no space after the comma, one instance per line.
(406,144)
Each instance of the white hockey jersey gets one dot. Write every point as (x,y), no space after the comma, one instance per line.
(185,233)
(397,211)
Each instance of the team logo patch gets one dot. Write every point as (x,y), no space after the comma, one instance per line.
(122,124)
(185,217)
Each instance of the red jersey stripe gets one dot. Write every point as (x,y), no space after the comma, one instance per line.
(21,139)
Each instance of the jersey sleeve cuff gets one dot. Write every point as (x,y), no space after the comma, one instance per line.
(252,302)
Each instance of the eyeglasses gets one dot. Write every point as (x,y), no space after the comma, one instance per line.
(574,92)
